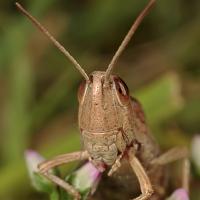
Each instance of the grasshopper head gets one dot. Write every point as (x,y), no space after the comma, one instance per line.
(101,103)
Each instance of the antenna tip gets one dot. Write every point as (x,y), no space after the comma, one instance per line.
(18,5)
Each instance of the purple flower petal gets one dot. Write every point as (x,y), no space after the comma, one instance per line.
(179,194)
(88,176)
(195,151)
(38,182)
(32,160)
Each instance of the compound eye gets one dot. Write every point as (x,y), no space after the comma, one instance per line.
(81,90)
(121,90)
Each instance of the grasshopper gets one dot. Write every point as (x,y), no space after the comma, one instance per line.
(113,128)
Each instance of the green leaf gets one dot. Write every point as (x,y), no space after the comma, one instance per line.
(162,98)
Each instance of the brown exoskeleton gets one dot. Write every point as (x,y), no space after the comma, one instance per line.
(113,128)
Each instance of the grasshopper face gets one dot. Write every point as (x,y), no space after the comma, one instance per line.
(100,105)
(104,112)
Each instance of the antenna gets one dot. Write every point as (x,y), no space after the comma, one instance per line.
(55,42)
(128,38)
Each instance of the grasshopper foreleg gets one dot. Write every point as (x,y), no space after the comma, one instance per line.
(116,165)
(60,160)
(144,181)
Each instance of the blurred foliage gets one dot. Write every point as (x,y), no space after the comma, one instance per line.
(38,85)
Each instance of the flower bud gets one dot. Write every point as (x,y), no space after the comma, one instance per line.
(85,179)
(39,182)
(195,151)
(179,194)
(88,176)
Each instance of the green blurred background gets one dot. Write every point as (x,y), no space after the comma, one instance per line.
(38,85)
